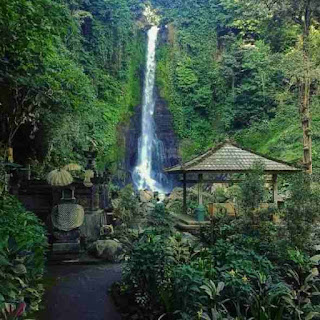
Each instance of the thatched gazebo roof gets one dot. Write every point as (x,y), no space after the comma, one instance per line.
(230,158)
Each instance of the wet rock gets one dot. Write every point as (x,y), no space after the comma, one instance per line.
(165,132)
(176,194)
(146,196)
(109,250)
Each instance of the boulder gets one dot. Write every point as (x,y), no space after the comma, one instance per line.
(176,194)
(146,196)
(109,250)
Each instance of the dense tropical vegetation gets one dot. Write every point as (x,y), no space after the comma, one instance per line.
(243,267)
(22,249)
(70,74)
(70,79)
(238,68)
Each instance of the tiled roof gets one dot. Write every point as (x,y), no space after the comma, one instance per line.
(229,157)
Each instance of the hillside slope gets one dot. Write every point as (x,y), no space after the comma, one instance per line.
(229,68)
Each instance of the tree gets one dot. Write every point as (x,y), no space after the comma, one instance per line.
(69,74)
(301,12)
(27,32)
(301,210)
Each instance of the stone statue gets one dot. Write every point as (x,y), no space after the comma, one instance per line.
(66,219)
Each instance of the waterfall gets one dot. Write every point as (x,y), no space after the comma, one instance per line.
(148,172)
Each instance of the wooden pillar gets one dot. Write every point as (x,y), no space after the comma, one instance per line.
(200,186)
(275,189)
(184,207)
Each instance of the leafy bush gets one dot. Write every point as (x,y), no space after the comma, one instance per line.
(22,248)
(126,206)
(160,220)
(145,270)
(244,267)
(301,210)
(186,284)
(252,190)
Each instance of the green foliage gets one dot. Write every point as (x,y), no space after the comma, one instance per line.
(252,190)
(187,282)
(238,274)
(22,247)
(232,68)
(69,78)
(3,180)
(160,219)
(269,301)
(126,206)
(146,269)
(179,248)
(216,307)
(301,210)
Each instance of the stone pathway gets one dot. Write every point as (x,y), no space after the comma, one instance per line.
(80,292)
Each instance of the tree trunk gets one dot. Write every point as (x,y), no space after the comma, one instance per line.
(305,92)
(306,125)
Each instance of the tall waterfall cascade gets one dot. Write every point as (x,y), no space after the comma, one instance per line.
(148,172)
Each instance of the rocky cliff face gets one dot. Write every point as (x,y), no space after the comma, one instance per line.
(132,134)
(164,131)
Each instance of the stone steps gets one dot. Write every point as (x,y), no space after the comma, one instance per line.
(187,223)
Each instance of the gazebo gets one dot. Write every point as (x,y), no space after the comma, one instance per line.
(227,158)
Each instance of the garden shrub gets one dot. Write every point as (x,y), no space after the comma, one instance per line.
(301,210)
(22,248)
(221,226)
(145,270)
(126,206)
(252,190)
(179,248)
(269,299)
(253,262)
(186,284)
(160,219)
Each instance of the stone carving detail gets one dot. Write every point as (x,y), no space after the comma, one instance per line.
(67,216)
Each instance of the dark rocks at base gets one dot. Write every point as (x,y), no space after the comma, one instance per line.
(132,134)
(165,132)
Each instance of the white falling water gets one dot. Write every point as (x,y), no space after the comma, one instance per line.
(148,172)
